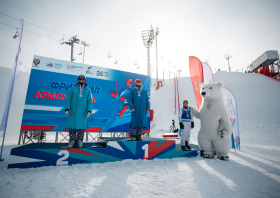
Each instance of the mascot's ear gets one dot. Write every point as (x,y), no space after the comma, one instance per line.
(202,84)
(219,84)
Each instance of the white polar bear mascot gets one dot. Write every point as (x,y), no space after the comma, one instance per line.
(215,131)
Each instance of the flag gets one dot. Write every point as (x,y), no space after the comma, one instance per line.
(196,71)
(11,88)
(207,73)
(231,106)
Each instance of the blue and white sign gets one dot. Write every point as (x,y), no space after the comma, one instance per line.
(50,80)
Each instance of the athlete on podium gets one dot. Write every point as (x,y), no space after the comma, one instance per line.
(78,107)
(138,102)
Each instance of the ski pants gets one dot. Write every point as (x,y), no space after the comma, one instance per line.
(136,131)
(76,134)
(186,133)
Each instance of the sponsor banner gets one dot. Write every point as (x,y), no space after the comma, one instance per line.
(231,106)
(49,82)
(71,68)
(196,71)
(207,73)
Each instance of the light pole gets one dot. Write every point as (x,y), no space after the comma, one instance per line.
(227,57)
(163,70)
(157,32)
(179,72)
(148,38)
(169,69)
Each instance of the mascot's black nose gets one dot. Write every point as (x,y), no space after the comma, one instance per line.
(203,93)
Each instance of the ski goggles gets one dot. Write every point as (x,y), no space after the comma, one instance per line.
(138,80)
(82,79)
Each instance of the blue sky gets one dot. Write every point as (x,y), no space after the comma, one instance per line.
(205,29)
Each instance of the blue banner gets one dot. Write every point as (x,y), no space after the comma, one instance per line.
(49,82)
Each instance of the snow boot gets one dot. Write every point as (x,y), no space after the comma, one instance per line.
(139,138)
(184,148)
(133,138)
(71,144)
(188,146)
(222,157)
(208,154)
(80,143)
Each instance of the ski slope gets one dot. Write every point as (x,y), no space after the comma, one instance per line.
(254,171)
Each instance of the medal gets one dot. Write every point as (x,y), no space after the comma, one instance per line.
(139,92)
(81,90)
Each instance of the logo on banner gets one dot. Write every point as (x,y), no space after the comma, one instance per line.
(237,142)
(198,84)
(73,68)
(88,70)
(57,66)
(101,73)
(49,65)
(232,121)
(36,62)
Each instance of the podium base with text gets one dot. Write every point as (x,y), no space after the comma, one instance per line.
(105,150)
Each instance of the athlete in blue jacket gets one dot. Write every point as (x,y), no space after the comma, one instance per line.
(186,124)
(78,107)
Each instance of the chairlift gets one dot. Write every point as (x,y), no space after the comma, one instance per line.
(135,63)
(138,67)
(61,41)
(109,55)
(81,52)
(16,34)
(116,61)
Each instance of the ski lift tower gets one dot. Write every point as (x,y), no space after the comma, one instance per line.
(71,42)
(148,38)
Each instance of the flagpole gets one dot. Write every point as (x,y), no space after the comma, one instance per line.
(10,91)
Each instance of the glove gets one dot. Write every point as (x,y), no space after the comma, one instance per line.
(67,112)
(192,125)
(88,114)
(181,125)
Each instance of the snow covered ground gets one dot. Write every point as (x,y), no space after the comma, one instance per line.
(254,171)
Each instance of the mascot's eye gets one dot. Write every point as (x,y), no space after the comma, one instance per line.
(210,87)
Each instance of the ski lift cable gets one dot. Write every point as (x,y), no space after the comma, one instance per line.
(30,32)
(61,34)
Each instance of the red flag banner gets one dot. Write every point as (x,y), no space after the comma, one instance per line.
(196,71)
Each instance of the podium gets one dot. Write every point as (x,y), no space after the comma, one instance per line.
(105,150)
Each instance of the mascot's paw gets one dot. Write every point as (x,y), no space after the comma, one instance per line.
(223,157)
(208,154)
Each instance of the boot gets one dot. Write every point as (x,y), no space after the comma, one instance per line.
(139,138)
(133,138)
(71,144)
(80,143)
(188,146)
(183,148)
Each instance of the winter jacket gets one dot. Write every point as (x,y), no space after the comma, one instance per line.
(140,105)
(78,107)
(185,115)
